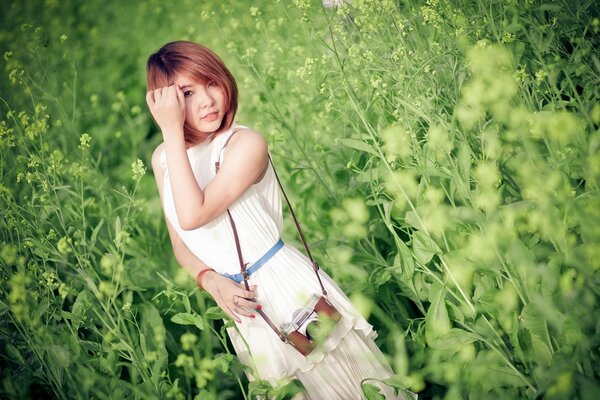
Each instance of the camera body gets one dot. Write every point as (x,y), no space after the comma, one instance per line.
(311,324)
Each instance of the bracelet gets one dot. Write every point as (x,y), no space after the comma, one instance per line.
(199,276)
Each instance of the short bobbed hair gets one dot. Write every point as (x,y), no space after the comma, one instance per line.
(203,65)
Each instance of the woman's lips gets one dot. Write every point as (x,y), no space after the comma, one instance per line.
(210,117)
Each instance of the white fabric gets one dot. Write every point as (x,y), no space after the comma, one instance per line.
(284,284)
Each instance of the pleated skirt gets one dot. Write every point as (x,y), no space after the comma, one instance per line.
(347,358)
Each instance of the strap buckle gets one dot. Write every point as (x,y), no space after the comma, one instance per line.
(245,272)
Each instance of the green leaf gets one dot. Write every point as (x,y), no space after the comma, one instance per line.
(259,387)
(117,226)
(143,343)
(188,319)
(400,384)
(464,170)
(154,334)
(89,282)
(437,322)
(214,313)
(491,371)
(186,304)
(424,248)
(289,390)
(408,289)
(15,355)
(455,313)
(380,276)
(396,381)
(535,324)
(60,356)
(82,304)
(412,219)
(404,260)
(121,346)
(96,231)
(223,361)
(372,392)
(204,395)
(358,145)
(455,338)
(152,324)
(514,338)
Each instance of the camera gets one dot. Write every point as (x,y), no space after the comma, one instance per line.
(311,324)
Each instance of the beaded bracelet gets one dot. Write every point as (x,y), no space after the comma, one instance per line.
(199,277)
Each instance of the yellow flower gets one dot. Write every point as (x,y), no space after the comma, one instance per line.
(64,245)
(84,141)
(137,169)
(188,340)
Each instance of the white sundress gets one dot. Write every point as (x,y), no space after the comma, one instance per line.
(284,283)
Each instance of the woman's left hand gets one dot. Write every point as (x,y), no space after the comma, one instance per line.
(167,105)
(231,297)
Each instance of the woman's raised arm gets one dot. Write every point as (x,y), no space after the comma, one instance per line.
(246,160)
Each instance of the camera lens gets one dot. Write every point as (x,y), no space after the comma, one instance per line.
(312,329)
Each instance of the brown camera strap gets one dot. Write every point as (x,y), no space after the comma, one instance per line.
(313,262)
(239,248)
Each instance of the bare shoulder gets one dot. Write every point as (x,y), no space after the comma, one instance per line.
(247,138)
(156,158)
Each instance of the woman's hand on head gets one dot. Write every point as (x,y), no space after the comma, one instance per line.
(167,105)
(231,297)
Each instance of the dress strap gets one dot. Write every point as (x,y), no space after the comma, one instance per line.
(235,129)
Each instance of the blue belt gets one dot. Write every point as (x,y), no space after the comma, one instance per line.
(261,261)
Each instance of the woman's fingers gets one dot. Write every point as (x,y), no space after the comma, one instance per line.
(173,94)
(167,106)
(234,311)
(230,312)
(164,95)
(247,294)
(227,309)
(234,299)
(238,305)
(234,308)
(242,311)
(158,96)
(180,96)
(250,294)
(150,98)
(250,303)
(241,302)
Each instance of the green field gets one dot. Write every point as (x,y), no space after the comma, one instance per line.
(442,155)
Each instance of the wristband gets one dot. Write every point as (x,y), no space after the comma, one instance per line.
(199,277)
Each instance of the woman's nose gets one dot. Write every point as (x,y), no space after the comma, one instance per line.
(204,99)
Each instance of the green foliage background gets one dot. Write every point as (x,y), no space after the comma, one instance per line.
(442,156)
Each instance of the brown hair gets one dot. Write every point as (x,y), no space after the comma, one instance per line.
(201,64)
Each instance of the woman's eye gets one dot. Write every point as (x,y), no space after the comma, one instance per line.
(187,93)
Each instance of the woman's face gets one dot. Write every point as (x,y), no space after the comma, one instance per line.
(204,103)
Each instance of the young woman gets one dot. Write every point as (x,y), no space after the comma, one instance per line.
(210,172)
